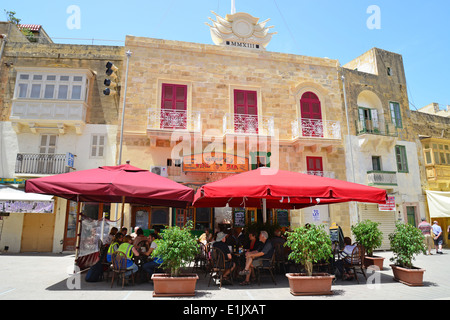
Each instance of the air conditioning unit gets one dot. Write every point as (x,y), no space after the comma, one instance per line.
(159,170)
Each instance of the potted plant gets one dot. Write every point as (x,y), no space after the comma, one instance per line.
(406,242)
(176,249)
(369,235)
(309,244)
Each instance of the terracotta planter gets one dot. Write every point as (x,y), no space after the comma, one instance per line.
(411,277)
(166,286)
(374,261)
(303,285)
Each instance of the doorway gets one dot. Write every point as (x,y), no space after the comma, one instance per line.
(37,232)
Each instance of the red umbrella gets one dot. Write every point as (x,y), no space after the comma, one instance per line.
(124,183)
(117,184)
(284,190)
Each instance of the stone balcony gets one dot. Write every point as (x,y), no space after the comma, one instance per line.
(382,178)
(316,134)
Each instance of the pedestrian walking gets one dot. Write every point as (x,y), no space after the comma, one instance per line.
(438,238)
(426,228)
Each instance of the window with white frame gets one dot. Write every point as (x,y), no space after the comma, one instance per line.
(51,86)
(98,144)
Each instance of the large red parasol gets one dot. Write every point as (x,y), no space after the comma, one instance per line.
(116,184)
(284,190)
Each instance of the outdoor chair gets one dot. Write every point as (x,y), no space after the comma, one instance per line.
(356,260)
(218,266)
(119,267)
(282,264)
(268,265)
(201,259)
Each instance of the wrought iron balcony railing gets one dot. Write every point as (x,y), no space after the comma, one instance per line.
(234,123)
(40,164)
(169,120)
(326,174)
(316,128)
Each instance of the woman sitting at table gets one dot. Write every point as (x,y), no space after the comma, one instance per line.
(222,246)
(253,243)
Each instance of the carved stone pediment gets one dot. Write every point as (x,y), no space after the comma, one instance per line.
(240,30)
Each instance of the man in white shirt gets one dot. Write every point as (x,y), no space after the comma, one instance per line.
(438,238)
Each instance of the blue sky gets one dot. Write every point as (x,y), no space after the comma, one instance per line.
(418,30)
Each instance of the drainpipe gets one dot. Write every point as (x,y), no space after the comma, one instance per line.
(4,38)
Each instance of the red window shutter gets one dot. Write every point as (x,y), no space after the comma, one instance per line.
(314,164)
(173,106)
(245,111)
(311,110)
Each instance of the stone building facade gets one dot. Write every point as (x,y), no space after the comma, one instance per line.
(53,111)
(272,127)
(381,146)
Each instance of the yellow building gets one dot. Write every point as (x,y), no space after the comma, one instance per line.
(433,131)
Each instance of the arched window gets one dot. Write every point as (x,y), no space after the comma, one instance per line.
(311,113)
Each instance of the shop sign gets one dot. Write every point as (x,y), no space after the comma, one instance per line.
(215,162)
(316,215)
(13,206)
(389,206)
(11,181)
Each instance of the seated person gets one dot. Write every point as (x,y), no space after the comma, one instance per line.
(139,237)
(114,245)
(206,237)
(345,257)
(256,258)
(153,264)
(277,238)
(130,251)
(124,231)
(253,242)
(111,235)
(222,246)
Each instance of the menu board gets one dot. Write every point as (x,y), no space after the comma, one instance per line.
(239,217)
(283,218)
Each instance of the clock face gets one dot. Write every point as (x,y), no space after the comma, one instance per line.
(242,28)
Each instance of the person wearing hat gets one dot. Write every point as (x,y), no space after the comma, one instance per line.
(220,244)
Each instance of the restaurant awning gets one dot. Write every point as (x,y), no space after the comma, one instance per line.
(13,200)
(14,194)
(438,204)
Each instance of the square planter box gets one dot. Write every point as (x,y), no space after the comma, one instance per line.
(303,285)
(166,286)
